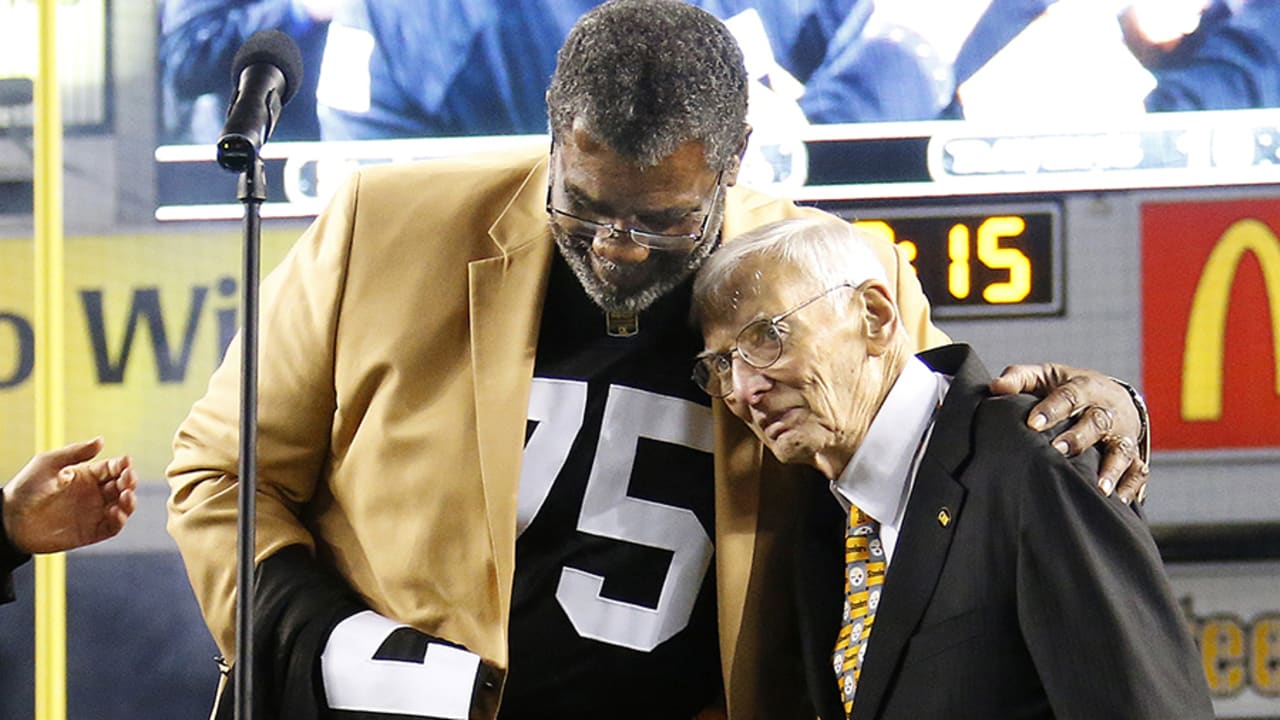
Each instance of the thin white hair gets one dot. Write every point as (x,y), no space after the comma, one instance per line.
(828,250)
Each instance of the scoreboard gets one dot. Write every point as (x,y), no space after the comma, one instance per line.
(981,260)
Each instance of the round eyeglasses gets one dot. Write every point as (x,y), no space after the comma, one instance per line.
(590,230)
(759,344)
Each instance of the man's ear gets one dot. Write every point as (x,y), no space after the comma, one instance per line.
(735,162)
(879,317)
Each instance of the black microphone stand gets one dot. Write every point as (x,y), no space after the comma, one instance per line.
(252,192)
(267,69)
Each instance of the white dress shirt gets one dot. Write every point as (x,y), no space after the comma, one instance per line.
(879,477)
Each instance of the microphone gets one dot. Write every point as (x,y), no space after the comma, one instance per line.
(267,71)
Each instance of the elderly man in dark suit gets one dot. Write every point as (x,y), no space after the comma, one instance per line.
(983,576)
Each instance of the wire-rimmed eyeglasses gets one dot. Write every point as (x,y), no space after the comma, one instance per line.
(759,344)
(591,230)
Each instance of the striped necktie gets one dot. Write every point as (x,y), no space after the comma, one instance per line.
(863,578)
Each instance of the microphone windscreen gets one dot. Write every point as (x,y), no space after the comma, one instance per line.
(273,48)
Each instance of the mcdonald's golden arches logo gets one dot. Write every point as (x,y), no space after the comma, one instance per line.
(1211,323)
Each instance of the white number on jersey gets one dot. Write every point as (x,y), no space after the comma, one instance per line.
(438,686)
(607,510)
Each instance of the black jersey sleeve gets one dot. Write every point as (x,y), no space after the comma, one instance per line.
(298,606)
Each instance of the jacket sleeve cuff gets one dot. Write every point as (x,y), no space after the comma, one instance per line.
(10,558)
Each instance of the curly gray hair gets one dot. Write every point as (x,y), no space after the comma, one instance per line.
(645,76)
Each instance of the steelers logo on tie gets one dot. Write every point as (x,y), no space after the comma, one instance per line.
(862,595)
(857,576)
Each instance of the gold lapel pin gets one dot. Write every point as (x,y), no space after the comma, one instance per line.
(944,517)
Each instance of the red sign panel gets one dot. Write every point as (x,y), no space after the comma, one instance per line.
(1211,323)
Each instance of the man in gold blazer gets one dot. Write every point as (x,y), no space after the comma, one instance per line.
(484,473)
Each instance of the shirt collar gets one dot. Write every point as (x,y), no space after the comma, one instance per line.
(877,477)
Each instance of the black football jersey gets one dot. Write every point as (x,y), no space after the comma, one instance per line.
(613,605)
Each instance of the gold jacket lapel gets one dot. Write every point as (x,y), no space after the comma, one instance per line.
(506,293)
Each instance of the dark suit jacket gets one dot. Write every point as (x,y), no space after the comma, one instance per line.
(1038,598)
(10,558)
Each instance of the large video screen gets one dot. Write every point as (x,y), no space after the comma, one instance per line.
(850,99)
(83,66)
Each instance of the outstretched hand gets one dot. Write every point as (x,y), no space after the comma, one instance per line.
(64,499)
(1106,416)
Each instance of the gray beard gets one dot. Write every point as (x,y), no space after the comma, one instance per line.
(667,272)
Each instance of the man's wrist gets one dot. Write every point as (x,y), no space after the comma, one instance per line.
(1144,419)
(10,555)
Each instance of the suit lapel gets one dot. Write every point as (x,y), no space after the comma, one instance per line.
(739,460)
(819,563)
(924,538)
(505,303)
(737,502)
